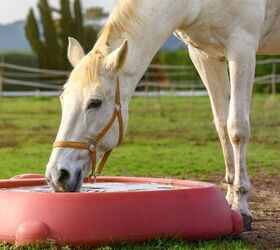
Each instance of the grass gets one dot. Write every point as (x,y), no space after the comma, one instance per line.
(167,137)
(158,244)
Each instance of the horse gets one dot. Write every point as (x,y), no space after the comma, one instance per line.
(223,38)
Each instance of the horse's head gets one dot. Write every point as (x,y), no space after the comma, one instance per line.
(92,122)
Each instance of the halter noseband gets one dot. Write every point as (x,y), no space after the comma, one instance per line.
(92,145)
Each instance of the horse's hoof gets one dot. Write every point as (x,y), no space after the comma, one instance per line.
(247,221)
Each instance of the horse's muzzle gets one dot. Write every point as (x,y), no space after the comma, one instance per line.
(62,180)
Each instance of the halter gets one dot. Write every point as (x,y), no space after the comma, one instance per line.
(92,145)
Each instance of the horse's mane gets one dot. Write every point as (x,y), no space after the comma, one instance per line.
(119,21)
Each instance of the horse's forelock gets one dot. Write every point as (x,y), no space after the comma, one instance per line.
(85,74)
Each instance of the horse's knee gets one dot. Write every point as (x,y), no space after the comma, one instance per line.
(238,130)
(221,127)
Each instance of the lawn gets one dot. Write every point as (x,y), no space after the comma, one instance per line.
(167,137)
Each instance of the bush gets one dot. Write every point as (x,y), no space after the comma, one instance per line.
(20,58)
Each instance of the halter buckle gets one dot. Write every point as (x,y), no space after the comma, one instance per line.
(92,147)
(92,177)
(118,106)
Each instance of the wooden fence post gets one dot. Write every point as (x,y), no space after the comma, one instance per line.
(273,79)
(146,97)
(1,75)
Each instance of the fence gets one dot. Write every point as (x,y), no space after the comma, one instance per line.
(18,80)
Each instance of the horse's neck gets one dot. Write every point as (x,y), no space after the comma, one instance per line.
(157,22)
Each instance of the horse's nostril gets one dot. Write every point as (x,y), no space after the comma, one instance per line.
(79,173)
(64,175)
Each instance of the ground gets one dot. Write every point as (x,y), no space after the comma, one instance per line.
(265,207)
(167,137)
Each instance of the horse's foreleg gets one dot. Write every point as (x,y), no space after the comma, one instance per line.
(242,69)
(214,75)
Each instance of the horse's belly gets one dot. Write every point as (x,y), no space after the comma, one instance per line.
(203,41)
(270,45)
(212,33)
(270,36)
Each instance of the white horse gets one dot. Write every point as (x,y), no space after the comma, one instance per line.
(216,32)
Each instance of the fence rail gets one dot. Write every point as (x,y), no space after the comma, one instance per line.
(158,80)
(28,69)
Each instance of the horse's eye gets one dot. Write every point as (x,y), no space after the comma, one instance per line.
(94,103)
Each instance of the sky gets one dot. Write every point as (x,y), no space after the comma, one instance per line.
(14,10)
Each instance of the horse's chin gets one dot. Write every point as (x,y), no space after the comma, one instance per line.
(75,186)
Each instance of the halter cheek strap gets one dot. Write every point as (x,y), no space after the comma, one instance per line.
(92,146)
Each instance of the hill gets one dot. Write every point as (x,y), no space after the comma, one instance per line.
(12,37)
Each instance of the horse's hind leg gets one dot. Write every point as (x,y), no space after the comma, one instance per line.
(242,62)
(215,77)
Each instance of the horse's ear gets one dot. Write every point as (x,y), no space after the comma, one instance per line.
(75,51)
(116,59)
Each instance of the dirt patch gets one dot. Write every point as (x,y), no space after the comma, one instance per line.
(8,125)
(8,144)
(42,128)
(265,208)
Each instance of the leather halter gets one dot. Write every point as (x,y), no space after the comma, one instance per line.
(92,145)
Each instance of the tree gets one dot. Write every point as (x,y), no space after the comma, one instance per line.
(95,13)
(85,34)
(66,30)
(91,36)
(51,44)
(33,35)
(79,23)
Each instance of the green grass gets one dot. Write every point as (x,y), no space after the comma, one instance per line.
(159,244)
(176,138)
(167,137)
